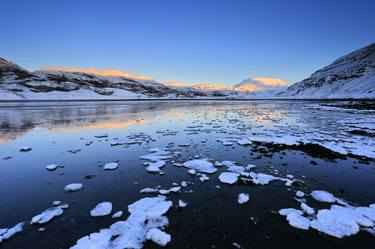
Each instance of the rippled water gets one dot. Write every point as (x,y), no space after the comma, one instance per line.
(67,133)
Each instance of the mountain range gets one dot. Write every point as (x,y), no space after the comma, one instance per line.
(351,76)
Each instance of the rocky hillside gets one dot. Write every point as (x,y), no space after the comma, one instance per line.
(18,83)
(351,76)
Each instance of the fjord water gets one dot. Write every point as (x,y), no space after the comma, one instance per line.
(70,133)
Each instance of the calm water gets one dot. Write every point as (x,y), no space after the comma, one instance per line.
(213,218)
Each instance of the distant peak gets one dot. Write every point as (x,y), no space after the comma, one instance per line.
(105,72)
(261,83)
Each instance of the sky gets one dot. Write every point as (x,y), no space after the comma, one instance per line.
(211,41)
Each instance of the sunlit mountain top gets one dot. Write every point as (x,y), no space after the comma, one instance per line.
(105,72)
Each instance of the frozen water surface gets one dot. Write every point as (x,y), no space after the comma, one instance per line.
(172,173)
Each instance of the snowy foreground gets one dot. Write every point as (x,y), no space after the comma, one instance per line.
(128,181)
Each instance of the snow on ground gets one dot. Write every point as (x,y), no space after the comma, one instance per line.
(145,214)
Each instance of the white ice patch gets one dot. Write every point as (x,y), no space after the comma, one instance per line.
(48,214)
(157,154)
(182,203)
(102,209)
(145,214)
(155,167)
(52,167)
(338,221)
(324,196)
(73,187)
(200,165)
(158,236)
(117,215)
(300,194)
(7,233)
(228,177)
(243,198)
(262,179)
(308,210)
(111,166)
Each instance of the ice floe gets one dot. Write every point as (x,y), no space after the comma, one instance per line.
(243,198)
(145,215)
(73,187)
(338,221)
(52,167)
(158,236)
(102,209)
(228,177)
(110,166)
(48,214)
(7,233)
(200,165)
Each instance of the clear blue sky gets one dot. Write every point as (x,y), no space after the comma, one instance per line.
(186,40)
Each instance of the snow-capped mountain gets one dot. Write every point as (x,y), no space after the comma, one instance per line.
(351,76)
(18,83)
(261,84)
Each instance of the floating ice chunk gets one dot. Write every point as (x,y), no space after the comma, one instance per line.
(200,165)
(204,177)
(250,166)
(148,190)
(192,171)
(182,203)
(323,196)
(229,164)
(171,190)
(368,212)
(228,177)
(145,214)
(262,179)
(298,221)
(48,214)
(184,184)
(332,223)
(117,215)
(158,236)
(102,209)
(295,218)
(111,166)
(155,167)
(243,198)
(300,194)
(52,167)
(7,233)
(151,207)
(25,149)
(287,211)
(236,169)
(308,210)
(73,187)
(157,154)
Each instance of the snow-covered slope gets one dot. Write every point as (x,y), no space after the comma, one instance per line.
(351,76)
(18,83)
(261,85)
